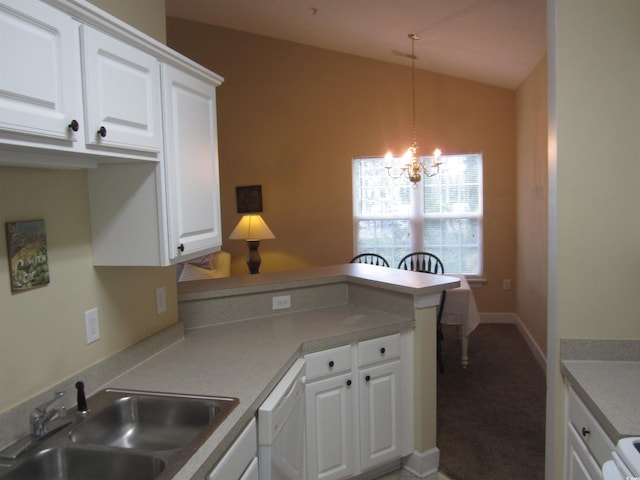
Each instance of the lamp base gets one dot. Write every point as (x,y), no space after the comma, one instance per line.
(253,257)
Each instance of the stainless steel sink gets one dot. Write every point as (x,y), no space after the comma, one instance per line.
(127,434)
(152,421)
(74,463)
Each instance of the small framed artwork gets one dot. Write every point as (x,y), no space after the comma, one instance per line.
(27,253)
(249,199)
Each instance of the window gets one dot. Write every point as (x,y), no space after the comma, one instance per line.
(443,215)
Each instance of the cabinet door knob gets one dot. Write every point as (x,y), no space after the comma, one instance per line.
(181,247)
(367,378)
(102,132)
(74,125)
(331,364)
(383,350)
(585,432)
(348,383)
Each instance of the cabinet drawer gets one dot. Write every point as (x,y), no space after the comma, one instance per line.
(239,456)
(328,362)
(378,350)
(589,430)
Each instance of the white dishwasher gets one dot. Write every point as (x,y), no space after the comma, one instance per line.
(281,428)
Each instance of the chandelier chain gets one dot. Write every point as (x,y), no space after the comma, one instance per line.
(414,166)
(413,37)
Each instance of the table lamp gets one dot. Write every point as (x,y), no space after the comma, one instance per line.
(252,228)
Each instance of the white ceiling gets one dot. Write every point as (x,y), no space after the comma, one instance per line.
(497,42)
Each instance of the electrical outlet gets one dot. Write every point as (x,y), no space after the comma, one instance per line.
(91,325)
(506,284)
(281,302)
(161,300)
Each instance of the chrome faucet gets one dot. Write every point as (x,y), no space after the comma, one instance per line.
(42,415)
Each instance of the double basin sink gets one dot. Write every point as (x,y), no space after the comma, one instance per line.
(127,434)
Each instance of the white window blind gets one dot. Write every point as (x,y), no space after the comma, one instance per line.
(443,215)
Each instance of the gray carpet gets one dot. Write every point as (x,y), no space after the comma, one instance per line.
(491,416)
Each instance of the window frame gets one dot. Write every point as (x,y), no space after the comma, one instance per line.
(416,218)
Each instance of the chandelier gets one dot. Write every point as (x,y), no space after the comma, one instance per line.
(411,165)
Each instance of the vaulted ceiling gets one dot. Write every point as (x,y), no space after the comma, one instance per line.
(497,42)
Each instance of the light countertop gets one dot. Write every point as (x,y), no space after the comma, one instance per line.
(611,390)
(605,374)
(392,279)
(246,360)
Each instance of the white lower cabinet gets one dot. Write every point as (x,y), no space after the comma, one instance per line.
(379,414)
(354,397)
(251,473)
(587,445)
(240,462)
(330,428)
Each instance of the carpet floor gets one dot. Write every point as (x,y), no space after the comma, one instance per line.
(491,415)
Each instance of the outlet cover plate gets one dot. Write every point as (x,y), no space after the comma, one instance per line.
(281,302)
(91,325)
(161,300)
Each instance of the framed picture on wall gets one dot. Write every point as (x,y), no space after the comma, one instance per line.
(249,199)
(27,253)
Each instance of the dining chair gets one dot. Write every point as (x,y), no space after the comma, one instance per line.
(371,259)
(428,263)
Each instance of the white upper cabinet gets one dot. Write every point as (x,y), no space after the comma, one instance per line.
(78,87)
(40,87)
(191,163)
(122,94)
(156,214)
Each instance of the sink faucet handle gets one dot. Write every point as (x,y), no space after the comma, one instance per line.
(82,399)
(43,408)
(41,415)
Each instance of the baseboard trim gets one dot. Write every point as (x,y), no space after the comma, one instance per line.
(507,317)
(422,464)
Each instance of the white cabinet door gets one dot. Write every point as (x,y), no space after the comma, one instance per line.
(251,473)
(191,159)
(330,428)
(379,391)
(238,462)
(122,94)
(40,88)
(580,465)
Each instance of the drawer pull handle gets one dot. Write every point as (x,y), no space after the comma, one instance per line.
(331,364)
(348,383)
(74,125)
(181,247)
(102,132)
(585,432)
(367,378)
(383,350)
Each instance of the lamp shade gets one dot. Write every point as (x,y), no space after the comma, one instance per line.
(251,227)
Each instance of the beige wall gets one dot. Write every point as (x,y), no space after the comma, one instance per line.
(532,258)
(292,117)
(594,242)
(148,16)
(43,340)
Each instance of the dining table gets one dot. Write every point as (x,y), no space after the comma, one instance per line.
(460,309)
